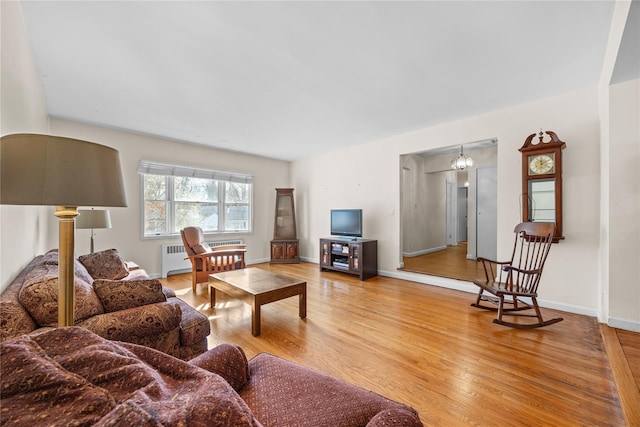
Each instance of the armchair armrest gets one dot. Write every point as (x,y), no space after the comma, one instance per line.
(512,269)
(492,269)
(212,261)
(522,282)
(146,320)
(228,361)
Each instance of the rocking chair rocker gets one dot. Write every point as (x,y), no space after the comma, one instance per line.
(509,281)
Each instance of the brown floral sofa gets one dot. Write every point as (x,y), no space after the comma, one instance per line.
(70,376)
(110,300)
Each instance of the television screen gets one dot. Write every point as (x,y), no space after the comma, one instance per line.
(346,222)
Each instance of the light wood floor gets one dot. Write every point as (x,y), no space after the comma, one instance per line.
(450,262)
(426,347)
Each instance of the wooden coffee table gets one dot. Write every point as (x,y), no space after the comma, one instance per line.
(257,287)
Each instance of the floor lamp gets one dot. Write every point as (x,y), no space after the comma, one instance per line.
(46,170)
(93,218)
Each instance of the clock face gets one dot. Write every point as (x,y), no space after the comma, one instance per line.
(541,164)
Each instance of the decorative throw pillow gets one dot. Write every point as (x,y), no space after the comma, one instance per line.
(39,296)
(105,265)
(117,295)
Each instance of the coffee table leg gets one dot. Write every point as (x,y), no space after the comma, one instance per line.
(212,296)
(255,318)
(302,303)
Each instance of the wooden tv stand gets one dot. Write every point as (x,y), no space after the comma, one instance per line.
(352,256)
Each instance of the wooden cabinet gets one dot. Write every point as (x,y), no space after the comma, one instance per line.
(284,246)
(284,251)
(359,257)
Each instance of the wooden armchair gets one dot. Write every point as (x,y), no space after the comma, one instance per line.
(206,260)
(507,282)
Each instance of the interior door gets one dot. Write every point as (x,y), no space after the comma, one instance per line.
(487,212)
(451,214)
(462,214)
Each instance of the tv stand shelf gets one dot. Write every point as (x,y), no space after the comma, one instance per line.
(353,256)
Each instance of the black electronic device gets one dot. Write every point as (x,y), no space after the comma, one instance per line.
(346,222)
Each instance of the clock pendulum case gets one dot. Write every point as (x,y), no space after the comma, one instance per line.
(542,181)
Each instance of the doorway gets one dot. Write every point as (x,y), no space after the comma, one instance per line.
(463,203)
(439,209)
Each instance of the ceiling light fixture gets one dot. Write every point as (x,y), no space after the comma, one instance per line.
(461,162)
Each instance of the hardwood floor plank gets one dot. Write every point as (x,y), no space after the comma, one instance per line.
(630,343)
(622,372)
(425,346)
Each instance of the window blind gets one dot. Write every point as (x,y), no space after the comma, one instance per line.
(156,168)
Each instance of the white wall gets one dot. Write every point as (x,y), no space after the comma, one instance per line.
(23,229)
(624,198)
(126,222)
(423,218)
(367,176)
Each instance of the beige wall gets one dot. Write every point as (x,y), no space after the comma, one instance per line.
(423,197)
(624,199)
(23,229)
(126,232)
(372,182)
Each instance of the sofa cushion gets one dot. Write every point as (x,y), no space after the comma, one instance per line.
(312,398)
(105,264)
(193,238)
(36,391)
(159,389)
(228,361)
(118,295)
(138,325)
(194,326)
(15,320)
(39,296)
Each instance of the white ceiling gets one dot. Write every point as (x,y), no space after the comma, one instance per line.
(292,79)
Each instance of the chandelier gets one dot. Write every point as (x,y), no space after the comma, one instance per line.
(461,162)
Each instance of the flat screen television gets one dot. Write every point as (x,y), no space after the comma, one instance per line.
(346,222)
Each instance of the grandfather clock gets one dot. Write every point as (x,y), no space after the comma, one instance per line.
(542,181)
(284,246)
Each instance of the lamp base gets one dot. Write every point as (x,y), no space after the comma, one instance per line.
(66,277)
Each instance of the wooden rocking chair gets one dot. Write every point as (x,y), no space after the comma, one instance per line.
(509,281)
(206,260)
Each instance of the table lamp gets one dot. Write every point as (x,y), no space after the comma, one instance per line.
(37,169)
(93,218)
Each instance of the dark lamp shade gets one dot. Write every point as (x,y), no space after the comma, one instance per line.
(49,170)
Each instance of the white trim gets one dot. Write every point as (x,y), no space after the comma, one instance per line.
(424,251)
(629,325)
(155,168)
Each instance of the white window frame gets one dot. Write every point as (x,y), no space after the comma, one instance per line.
(170,171)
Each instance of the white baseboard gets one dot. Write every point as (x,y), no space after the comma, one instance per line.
(444,282)
(629,325)
(465,286)
(423,252)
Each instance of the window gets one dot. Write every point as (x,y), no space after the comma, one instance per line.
(175,197)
